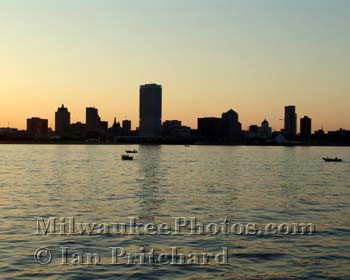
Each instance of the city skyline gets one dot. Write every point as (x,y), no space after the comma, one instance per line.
(150,95)
(226,129)
(297,127)
(208,55)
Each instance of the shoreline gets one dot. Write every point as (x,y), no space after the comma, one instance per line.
(169,144)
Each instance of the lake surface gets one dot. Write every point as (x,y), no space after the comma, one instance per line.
(243,184)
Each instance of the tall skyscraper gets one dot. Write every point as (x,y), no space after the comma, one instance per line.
(150,110)
(290,121)
(62,120)
(305,127)
(92,119)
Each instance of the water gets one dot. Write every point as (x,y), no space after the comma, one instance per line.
(244,184)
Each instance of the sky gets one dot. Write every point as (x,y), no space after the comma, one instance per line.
(209,55)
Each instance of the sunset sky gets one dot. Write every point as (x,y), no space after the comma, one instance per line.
(210,55)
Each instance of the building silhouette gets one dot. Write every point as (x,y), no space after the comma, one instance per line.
(126,126)
(210,127)
(230,127)
(290,121)
(116,129)
(266,130)
(305,127)
(92,119)
(262,132)
(62,120)
(103,125)
(170,124)
(150,110)
(116,124)
(320,132)
(37,126)
(253,131)
(78,129)
(227,126)
(175,130)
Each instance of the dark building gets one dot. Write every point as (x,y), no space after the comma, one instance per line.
(150,110)
(37,126)
(339,134)
(179,132)
(78,129)
(339,137)
(92,119)
(210,127)
(231,116)
(254,129)
(103,125)
(8,130)
(62,121)
(169,125)
(175,129)
(305,127)
(261,132)
(7,133)
(265,129)
(290,121)
(320,132)
(228,126)
(231,127)
(116,130)
(126,125)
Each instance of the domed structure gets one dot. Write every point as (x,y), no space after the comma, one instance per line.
(265,123)
(266,130)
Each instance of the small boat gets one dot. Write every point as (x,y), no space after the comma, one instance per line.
(127,157)
(332,159)
(131,151)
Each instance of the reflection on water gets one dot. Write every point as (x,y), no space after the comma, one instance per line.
(243,184)
(151,177)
